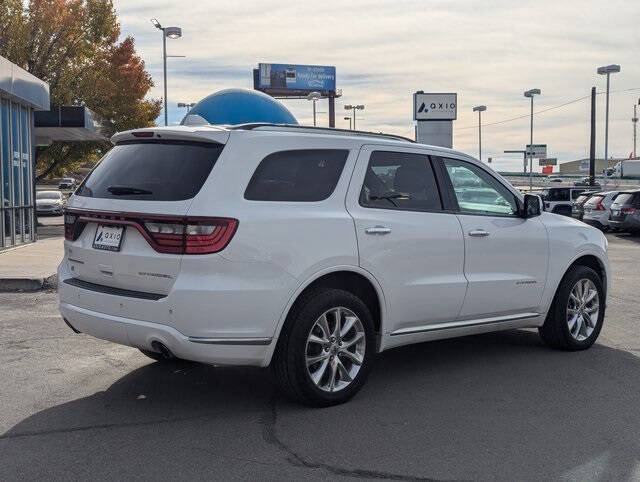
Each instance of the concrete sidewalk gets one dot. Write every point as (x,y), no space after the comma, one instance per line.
(31,267)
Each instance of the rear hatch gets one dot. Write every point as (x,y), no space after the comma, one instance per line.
(624,204)
(126,226)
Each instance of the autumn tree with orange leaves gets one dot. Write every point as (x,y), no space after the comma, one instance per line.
(74,46)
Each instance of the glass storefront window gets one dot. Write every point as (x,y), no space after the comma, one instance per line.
(26,179)
(15,146)
(4,157)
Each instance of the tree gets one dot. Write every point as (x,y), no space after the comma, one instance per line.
(73,45)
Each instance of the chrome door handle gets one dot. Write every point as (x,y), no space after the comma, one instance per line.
(378,230)
(479,233)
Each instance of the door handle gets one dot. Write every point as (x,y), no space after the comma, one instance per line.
(478,233)
(378,230)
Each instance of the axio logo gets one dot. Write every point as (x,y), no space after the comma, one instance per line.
(423,108)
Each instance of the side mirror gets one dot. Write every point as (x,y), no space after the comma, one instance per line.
(532,206)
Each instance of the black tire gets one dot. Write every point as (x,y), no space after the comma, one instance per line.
(555,331)
(289,363)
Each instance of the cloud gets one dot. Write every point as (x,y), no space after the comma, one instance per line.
(488,52)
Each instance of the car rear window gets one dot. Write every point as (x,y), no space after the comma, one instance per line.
(626,198)
(152,171)
(560,194)
(582,198)
(304,175)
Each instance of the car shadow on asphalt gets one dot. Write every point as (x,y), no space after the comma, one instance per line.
(496,406)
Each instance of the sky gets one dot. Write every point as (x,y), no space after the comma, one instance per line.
(489,52)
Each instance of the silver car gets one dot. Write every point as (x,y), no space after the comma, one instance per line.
(597,209)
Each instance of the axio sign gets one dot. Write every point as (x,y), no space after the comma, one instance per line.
(435,106)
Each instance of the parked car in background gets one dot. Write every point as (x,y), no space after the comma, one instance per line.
(577,208)
(585,181)
(554,179)
(625,212)
(49,202)
(597,209)
(312,250)
(559,200)
(67,183)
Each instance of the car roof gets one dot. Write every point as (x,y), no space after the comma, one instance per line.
(220,134)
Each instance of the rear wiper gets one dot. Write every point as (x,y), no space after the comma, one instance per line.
(125,190)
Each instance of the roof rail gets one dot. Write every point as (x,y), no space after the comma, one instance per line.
(315,130)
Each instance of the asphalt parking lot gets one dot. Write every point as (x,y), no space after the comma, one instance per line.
(498,406)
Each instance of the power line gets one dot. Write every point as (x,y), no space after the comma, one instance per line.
(527,116)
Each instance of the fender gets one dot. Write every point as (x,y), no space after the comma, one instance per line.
(314,277)
(554,282)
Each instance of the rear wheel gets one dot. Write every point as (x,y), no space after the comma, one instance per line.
(575,318)
(325,353)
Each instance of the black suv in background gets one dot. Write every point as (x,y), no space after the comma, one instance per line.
(625,212)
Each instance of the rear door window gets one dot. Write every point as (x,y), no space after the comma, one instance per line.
(152,171)
(304,175)
(400,180)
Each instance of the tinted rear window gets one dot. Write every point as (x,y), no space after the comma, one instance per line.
(298,175)
(152,171)
(556,194)
(626,198)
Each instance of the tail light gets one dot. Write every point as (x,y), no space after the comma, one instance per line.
(600,207)
(165,234)
(628,210)
(191,235)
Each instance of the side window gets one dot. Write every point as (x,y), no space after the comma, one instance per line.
(298,175)
(400,180)
(477,191)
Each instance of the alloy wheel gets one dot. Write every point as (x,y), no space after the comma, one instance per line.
(583,308)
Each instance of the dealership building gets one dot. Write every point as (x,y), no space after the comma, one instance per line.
(27,121)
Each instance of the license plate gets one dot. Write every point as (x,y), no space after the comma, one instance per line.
(108,237)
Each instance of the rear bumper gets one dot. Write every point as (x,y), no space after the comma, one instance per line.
(142,334)
(628,223)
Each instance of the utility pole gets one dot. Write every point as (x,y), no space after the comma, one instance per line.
(634,119)
(592,144)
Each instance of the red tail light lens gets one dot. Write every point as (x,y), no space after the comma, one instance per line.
(165,234)
(628,210)
(192,236)
(600,207)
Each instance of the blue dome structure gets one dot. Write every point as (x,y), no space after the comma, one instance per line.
(241,106)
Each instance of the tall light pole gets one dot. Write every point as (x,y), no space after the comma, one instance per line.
(607,70)
(314,97)
(530,94)
(349,119)
(480,109)
(354,108)
(634,119)
(172,33)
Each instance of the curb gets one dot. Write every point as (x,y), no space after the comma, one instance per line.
(12,285)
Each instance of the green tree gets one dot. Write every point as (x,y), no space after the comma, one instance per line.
(73,45)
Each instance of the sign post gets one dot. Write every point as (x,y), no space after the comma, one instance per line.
(435,113)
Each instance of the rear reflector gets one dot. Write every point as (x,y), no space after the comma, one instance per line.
(165,234)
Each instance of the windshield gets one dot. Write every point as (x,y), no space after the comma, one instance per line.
(48,195)
(152,171)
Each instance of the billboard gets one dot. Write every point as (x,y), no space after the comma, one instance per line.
(283,78)
(435,106)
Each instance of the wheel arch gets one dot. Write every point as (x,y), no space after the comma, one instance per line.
(350,278)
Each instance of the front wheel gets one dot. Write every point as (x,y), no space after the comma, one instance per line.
(326,349)
(576,316)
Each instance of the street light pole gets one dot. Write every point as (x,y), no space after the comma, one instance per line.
(480,109)
(607,70)
(634,119)
(349,119)
(172,33)
(313,97)
(354,108)
(530,94)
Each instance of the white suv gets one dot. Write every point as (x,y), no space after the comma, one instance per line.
(311,250)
